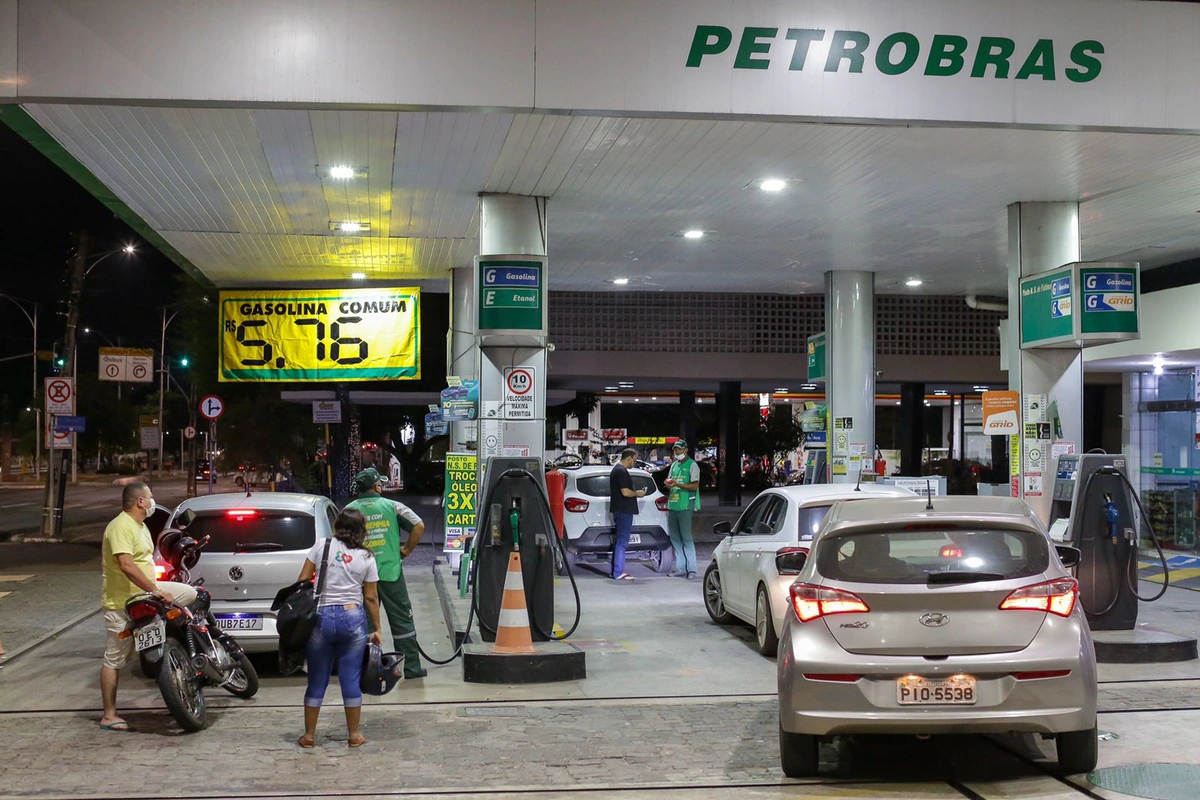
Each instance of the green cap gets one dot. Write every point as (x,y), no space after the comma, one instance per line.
(680,444)
(365,481)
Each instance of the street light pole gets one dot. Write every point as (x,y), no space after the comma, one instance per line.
(162,381)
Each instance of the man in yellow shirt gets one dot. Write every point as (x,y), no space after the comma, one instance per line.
(128,563)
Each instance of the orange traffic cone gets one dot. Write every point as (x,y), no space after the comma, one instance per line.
(512,629)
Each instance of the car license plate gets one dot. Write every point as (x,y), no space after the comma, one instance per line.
(244,622)
(149,636)
(635,538)
(913,690)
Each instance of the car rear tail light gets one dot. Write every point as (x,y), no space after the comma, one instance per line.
(810,602)
(950,551)
(241,513)
(160,571)
(831,677)
(1040,674)
(660,503)
(790,560)
(1055,597)
(143,610)
(576,505)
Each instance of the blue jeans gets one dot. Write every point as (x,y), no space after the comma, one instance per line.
(339,635)
(623,524)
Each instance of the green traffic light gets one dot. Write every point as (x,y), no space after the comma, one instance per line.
(183,362)
(61,362)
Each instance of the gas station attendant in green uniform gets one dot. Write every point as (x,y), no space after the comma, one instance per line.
(385,519)
(683,483)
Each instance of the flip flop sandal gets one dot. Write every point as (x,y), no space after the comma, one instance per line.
(623,577)
(359,742)
(310,742)
(118,727)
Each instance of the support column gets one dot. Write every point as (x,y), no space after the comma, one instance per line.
(512,224)
(912,427)
(1043,237)
(462,357)
(687,417)
(850,367)
(342,455)
(729,443)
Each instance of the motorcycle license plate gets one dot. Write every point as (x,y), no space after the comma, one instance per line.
(913,690)
(239,622)
(151,635)
(635,538)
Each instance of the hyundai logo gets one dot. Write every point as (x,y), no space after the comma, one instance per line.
(236,574)
(934,619)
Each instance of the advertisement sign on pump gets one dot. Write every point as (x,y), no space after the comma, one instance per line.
(1001,411)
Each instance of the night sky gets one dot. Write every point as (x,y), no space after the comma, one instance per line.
(42,209)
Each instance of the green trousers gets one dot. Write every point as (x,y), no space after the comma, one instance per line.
(393,596)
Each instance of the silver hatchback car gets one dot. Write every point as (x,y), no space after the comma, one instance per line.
(257,547)
(951,616)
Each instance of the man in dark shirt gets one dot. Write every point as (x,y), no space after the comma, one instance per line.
(622,505)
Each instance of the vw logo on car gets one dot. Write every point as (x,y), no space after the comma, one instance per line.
(934,619)
(236,574)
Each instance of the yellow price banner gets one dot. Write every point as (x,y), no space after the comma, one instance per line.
(321,335)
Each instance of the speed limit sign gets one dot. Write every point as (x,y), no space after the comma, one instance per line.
(519,390)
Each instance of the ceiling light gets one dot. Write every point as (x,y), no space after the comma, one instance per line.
(897,402)
(809,386)
(637,399)
(772,185)
(358,276)
(621,281)
(129,249)
(611,389)
(913,282)
(1158,369)
(341,173)
(981,388)
(653,398)
(693,234)
(927,402)
(784,389)
(940,393)
(620,401)
(349,226)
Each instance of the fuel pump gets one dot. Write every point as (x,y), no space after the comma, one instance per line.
(1093,510)
(515,516)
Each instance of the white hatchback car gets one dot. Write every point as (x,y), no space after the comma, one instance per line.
(589,530)
(257,546)
(761,554)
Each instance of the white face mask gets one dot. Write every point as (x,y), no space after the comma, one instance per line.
(680,456)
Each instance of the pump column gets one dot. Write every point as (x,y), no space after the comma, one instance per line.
(510,317)
(1041,238)
(850,371)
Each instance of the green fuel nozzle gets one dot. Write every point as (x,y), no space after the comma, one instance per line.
(514,520)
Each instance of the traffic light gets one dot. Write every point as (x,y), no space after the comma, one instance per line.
(58,360)
(183,361)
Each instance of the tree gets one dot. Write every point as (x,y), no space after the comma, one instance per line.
(779,436)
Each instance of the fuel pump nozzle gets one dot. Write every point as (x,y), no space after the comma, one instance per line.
(1112,516)
(514,520)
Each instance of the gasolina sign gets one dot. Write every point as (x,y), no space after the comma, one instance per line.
(1080,305)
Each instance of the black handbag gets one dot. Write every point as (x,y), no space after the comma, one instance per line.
(296,608)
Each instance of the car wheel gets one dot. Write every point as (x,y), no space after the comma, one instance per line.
(1078,751)
(798,754)
(714,601)
(764,625)
(664,560)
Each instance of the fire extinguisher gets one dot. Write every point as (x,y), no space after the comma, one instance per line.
(880,466)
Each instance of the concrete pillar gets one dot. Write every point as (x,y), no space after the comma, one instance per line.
(912,427)
(462,356)
(729,443)
(512,225)
(850,367)
(687,417)
(1043,237)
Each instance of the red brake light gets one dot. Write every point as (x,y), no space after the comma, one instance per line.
(660,503)
(832,677)
(160,571)
(1055,597)
(143,610)
(950,551)
(576,504)
(1040,674)
(241,513)
(810,602)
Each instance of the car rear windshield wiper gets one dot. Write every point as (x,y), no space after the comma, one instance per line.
(248,546)
(938,578)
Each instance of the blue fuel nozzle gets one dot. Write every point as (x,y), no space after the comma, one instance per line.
(1112,517)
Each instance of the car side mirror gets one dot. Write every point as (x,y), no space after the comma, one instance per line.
(791,561)
(1070,556)
(724,527)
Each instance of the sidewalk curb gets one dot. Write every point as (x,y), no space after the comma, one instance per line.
(445,585)
(36,643)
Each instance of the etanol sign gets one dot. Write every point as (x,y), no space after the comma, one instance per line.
(941,55)
(1080,305)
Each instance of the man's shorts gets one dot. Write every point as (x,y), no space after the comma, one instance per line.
(118,651)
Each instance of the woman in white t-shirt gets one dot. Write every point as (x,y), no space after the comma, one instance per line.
(340,630)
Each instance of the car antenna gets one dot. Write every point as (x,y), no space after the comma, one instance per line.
(858,483)
(928,495)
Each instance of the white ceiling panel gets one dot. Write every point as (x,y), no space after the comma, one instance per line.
(241,194)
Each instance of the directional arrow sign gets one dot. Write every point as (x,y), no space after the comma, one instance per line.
(211,407)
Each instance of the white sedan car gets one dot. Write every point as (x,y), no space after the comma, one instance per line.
(762,553)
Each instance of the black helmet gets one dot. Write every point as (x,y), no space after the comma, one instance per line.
(381,671)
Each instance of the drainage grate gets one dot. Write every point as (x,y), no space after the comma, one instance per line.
(1151,781)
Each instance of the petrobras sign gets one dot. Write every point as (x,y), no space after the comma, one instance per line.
(1078,63)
